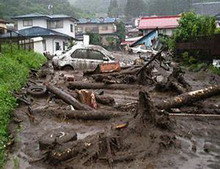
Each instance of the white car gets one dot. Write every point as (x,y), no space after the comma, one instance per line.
(142,49)
(83,57)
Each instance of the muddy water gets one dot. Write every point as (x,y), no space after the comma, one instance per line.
(200,146)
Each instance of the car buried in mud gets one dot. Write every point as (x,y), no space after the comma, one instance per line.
(83,57)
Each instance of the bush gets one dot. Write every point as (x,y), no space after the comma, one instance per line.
(198,67)
(14,71)
(214,70)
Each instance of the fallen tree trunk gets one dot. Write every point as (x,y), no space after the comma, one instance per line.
(189,98)
(105,100)
(80,114)
(67,98)
(214,116)
(87,85)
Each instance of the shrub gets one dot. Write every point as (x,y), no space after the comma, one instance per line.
(14,71)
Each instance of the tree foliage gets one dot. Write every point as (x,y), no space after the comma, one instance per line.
(94,38)
(120,30)
(192,26)
(113,10)
(134,8)
(20,7)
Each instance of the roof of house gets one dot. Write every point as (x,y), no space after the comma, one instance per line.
(48,17)
(97,20)
(35,32)
(206,8)
(160,22)
(153,32)
(3,21)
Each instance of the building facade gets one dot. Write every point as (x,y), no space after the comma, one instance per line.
(51,33)
(165,24)
(102,26)
(60,23)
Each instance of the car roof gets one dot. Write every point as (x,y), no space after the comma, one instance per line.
(92,47)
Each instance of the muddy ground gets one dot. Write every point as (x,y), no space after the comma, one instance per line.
(192,142)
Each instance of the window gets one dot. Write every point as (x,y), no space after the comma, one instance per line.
(104,28)
(44,45)
(164,31)
(96,55)
(27,22)
(64,46)
(58,46)
(54,24)
(71,27)
(80,53)
(79,29)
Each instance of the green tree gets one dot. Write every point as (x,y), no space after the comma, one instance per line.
(120,30)
(20,7)
(113,10)
(135,8)
(192,26)
(94,38)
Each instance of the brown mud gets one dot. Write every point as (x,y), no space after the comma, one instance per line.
(120,143)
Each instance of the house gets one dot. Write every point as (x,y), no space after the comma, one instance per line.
(43,39)
(60,23)
(165,24)
(102,26)
(3,26)
(49,33)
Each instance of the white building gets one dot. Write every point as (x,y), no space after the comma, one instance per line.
(55,31)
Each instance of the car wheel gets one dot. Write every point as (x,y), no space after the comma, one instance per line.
(67,67)
(37,91)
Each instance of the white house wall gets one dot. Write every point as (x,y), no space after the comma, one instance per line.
(168,32)
(38,47)
(66,28)
(36,22)
(43,23)
(51,44)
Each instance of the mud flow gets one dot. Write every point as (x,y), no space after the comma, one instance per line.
(141,117)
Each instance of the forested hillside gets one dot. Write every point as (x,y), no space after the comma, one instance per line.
(139,7)
(18,7)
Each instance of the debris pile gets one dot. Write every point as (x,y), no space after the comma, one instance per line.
(139,129)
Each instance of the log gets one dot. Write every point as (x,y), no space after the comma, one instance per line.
(67,98)
(215,116)
(88,115)
(189,98)
(105,100)
(80,114)
(88,85)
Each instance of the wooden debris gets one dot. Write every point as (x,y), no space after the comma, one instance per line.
(87,85)
(189,98)
(80,114)
(67,98)
(214,116)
